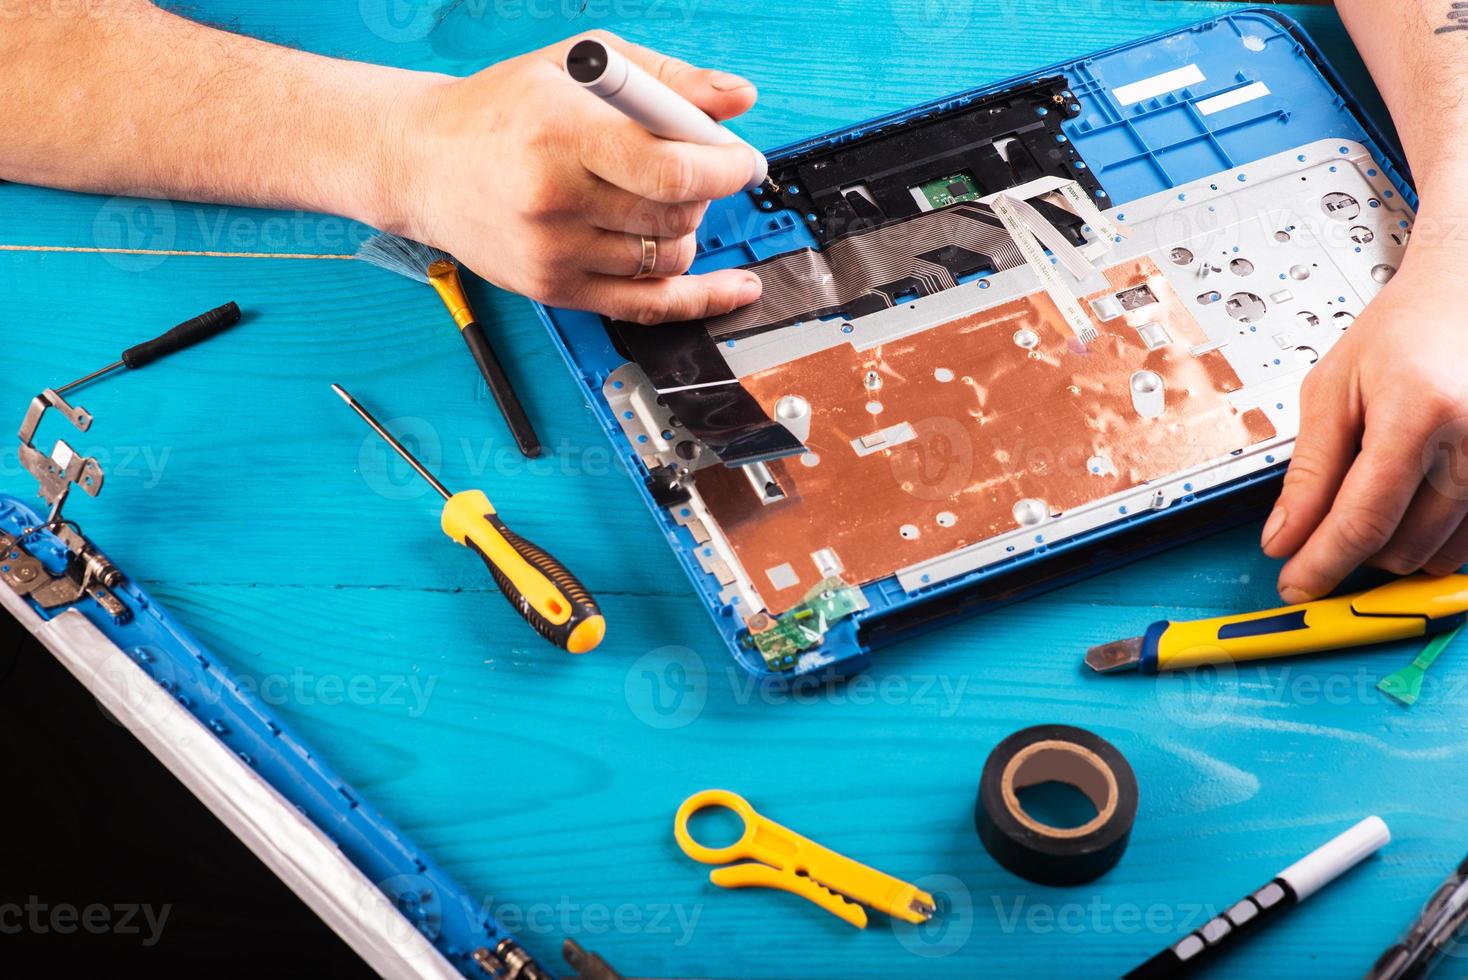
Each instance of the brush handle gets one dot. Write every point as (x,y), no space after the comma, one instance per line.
(499,386)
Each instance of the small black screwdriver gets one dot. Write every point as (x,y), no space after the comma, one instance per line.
(186,334)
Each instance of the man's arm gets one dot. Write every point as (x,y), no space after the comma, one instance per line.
(535,184)
(1378,471)
(120,96)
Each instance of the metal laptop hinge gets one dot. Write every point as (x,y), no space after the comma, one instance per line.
(87,571)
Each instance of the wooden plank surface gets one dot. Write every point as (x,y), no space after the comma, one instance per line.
(255,507)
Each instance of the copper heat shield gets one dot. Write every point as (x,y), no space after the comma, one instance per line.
(993,423)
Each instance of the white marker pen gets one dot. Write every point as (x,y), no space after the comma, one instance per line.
(649,102)
(1290,887)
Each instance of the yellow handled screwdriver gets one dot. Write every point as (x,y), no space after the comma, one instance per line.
(540,588)
(1417,605)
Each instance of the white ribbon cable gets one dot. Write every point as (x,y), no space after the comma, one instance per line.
(1084,208)
(1065,253)
(1029,246)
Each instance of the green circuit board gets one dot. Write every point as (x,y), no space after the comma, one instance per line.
(781,641)
(943,191)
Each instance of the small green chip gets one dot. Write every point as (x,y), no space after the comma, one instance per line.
(800,628)
(943,191)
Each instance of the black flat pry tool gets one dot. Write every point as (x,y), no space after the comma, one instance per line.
(186,334)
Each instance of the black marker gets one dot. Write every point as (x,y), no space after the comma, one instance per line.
(1292,886)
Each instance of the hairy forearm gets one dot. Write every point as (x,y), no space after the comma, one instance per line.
(117,96)
(1417,51)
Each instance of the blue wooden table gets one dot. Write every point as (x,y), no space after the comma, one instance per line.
(252,503)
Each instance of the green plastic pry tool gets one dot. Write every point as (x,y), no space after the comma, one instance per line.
(1406,684)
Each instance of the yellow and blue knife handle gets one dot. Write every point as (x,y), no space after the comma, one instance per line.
(1405,608)
(540,588)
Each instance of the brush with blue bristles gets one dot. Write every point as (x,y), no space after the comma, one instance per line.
(424,263)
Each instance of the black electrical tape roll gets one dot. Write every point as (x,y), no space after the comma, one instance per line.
(1055,855)
(190,332)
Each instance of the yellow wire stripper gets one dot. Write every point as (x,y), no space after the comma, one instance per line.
(776,857)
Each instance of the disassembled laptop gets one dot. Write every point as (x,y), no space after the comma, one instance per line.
(978,361)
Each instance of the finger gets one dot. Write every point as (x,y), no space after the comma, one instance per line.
(1454,553)
(1425,529)
(1324,448)
(665,171)
(664,300)
(1372,499)
(613,209)
(719,93)
(615,254)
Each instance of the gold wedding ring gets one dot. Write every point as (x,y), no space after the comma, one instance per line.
(649,257)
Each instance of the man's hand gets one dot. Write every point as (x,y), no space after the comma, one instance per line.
(542,188)
(1380,469)
(1378,474)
